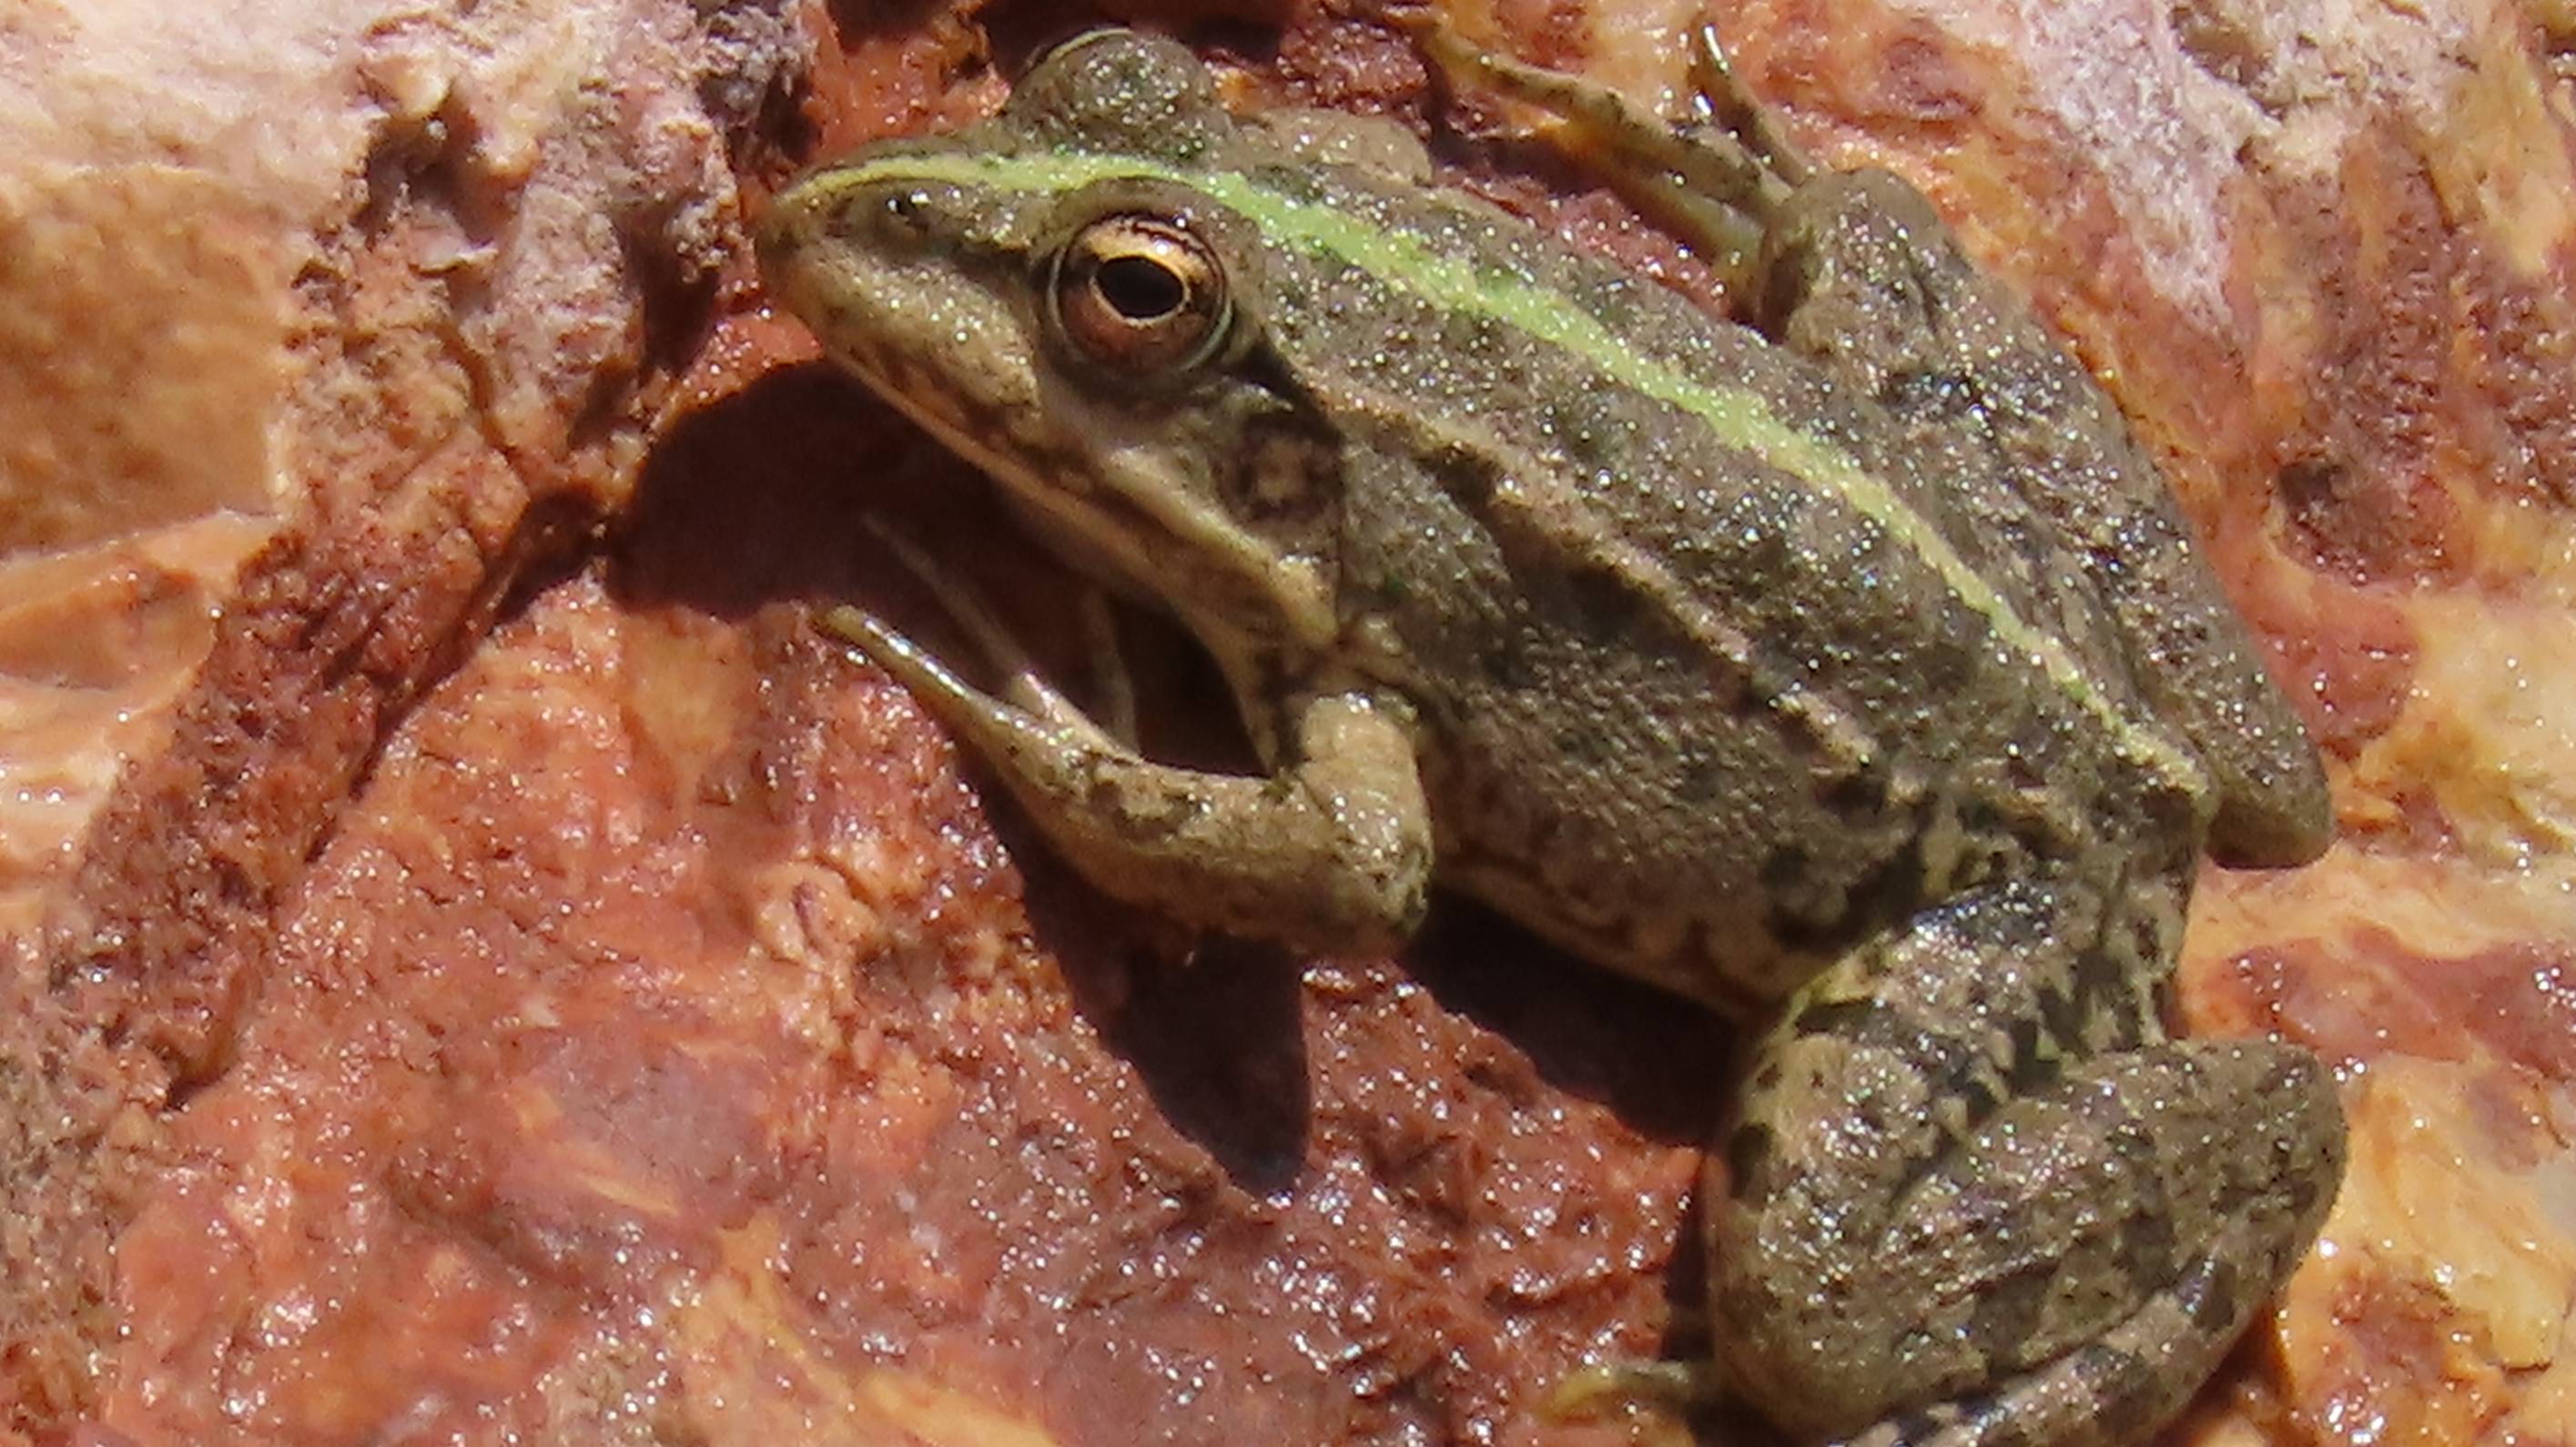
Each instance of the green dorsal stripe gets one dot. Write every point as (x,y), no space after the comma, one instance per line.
(1448,283)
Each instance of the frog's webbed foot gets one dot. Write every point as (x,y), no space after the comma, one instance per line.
(1332,853)
(1654,1398)
(1716,181)
(1972,1196)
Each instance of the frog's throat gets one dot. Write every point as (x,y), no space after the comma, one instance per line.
(1737,416)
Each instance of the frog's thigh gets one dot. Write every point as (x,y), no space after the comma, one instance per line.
(1927,1232)
(1331,854)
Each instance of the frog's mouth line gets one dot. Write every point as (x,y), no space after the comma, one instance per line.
(1147,548)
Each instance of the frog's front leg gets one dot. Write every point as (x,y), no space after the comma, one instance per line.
(1331,853)
(1974,1196)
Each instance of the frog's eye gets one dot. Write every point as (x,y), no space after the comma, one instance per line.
(1138,293)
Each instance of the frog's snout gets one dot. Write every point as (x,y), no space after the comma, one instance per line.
(786,237)
(827,247)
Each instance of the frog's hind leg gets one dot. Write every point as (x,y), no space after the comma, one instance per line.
(1713,181)
(1973,1195)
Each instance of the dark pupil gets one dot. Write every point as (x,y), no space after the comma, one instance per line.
(1139,288)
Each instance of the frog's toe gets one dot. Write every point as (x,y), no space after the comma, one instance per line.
(876,641)
(1653,1400)
(1024,686)
(1713,185)
(1723,97)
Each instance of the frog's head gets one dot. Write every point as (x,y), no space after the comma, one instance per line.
(1063,296)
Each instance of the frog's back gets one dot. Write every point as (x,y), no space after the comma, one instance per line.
(1720,668)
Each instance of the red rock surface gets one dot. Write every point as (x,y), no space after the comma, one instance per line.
(483,969)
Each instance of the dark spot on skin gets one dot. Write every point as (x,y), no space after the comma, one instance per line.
(1785,867)
(1973,1091)
(2027,1070)
(1858,796)
(1702,781)
(1152,817)
(1840,1018)
(2010,1311)
(1798,930)
(1927,392)
(2147,1244)
(2211,1294)
(1469,478)
(1508,665)
(1285,482)
(2104,1001)
(1602,604)
(1294,182)
(1587,746)
(2022,772)
(1891,889)
(1977,816)
(1493,276)
(1947,664)
(1989,1421)
(1949,1068)
(2146,939)
(2057,1015)
(1748,1150)
(2304,1189)
(2117,1378)
(2166,997)
(1919,1425)
(1594,449)
(1388,589)
(1542,834)
(1471,334)
(1588,429)
(1266,368)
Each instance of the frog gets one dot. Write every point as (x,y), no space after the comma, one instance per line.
(1836,659)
